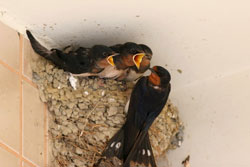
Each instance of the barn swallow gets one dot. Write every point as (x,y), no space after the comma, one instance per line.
(131,143)
(95,61)
(130,55)
(135,72)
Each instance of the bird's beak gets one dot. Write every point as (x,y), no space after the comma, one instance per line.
(110,60)
(137,58)
(152,70)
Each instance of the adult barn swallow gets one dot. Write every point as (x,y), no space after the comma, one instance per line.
(95,61)
(131,143)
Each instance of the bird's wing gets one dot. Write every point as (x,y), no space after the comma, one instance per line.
(53,55)
(115,146)
(38,48)
(142,140)
(141,153)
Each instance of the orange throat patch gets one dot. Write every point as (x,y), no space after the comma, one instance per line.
(154,79)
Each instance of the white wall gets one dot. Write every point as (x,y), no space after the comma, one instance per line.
(208,40)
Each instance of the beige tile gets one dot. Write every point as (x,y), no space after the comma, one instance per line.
(7,159)
(51,158)
(9,48)
(9,108)
(25,164)
(29,57)
(33,110)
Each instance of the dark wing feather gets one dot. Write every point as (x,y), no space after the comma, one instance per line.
(115,146)
(142,155)
(38,48)
(75,62)
(144,116)
(132,127)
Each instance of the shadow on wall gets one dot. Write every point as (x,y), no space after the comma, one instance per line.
(87,36)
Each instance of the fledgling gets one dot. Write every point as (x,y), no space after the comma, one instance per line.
(130,55)
(136,72)
(131,143)
(95,61)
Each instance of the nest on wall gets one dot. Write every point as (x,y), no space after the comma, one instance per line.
(82,120)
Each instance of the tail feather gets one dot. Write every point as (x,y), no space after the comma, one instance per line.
(141,154)
(113,153)
(38,48)
(115,146)
(54,55)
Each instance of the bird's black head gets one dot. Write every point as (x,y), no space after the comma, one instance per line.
(132,54)
(101,51)
(147,51)
(130,48)
(159,77)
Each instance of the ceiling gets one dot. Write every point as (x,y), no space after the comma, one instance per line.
(198,41)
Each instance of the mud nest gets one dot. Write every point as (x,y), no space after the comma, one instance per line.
(82,120)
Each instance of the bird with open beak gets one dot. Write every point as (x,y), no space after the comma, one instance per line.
(99,60)
(83,61)
(131,143)
(131,57)
(142,64)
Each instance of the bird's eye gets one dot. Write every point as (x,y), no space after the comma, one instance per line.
(105,54)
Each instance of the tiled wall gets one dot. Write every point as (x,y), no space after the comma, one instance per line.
(23,117)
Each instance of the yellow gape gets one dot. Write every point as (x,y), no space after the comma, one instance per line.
(110,60)
(137,58)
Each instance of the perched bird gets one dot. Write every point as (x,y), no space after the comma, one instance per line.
(98,60)
(83,61)
(131,143)
(131,56)
(136,72)
(141,55)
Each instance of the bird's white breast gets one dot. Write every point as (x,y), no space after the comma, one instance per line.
(110,72)
(133,75)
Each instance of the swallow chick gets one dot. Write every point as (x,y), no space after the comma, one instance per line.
(88,62)
(131,143)
(100,60)
(71,61)
(130,54)
(126,56)
(138,70)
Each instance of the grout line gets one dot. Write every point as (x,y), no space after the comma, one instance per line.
(17,73)
(45,136)
(29,162)
(9,149)
(12,151)
(21,99)
(9,67)
(29,81)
